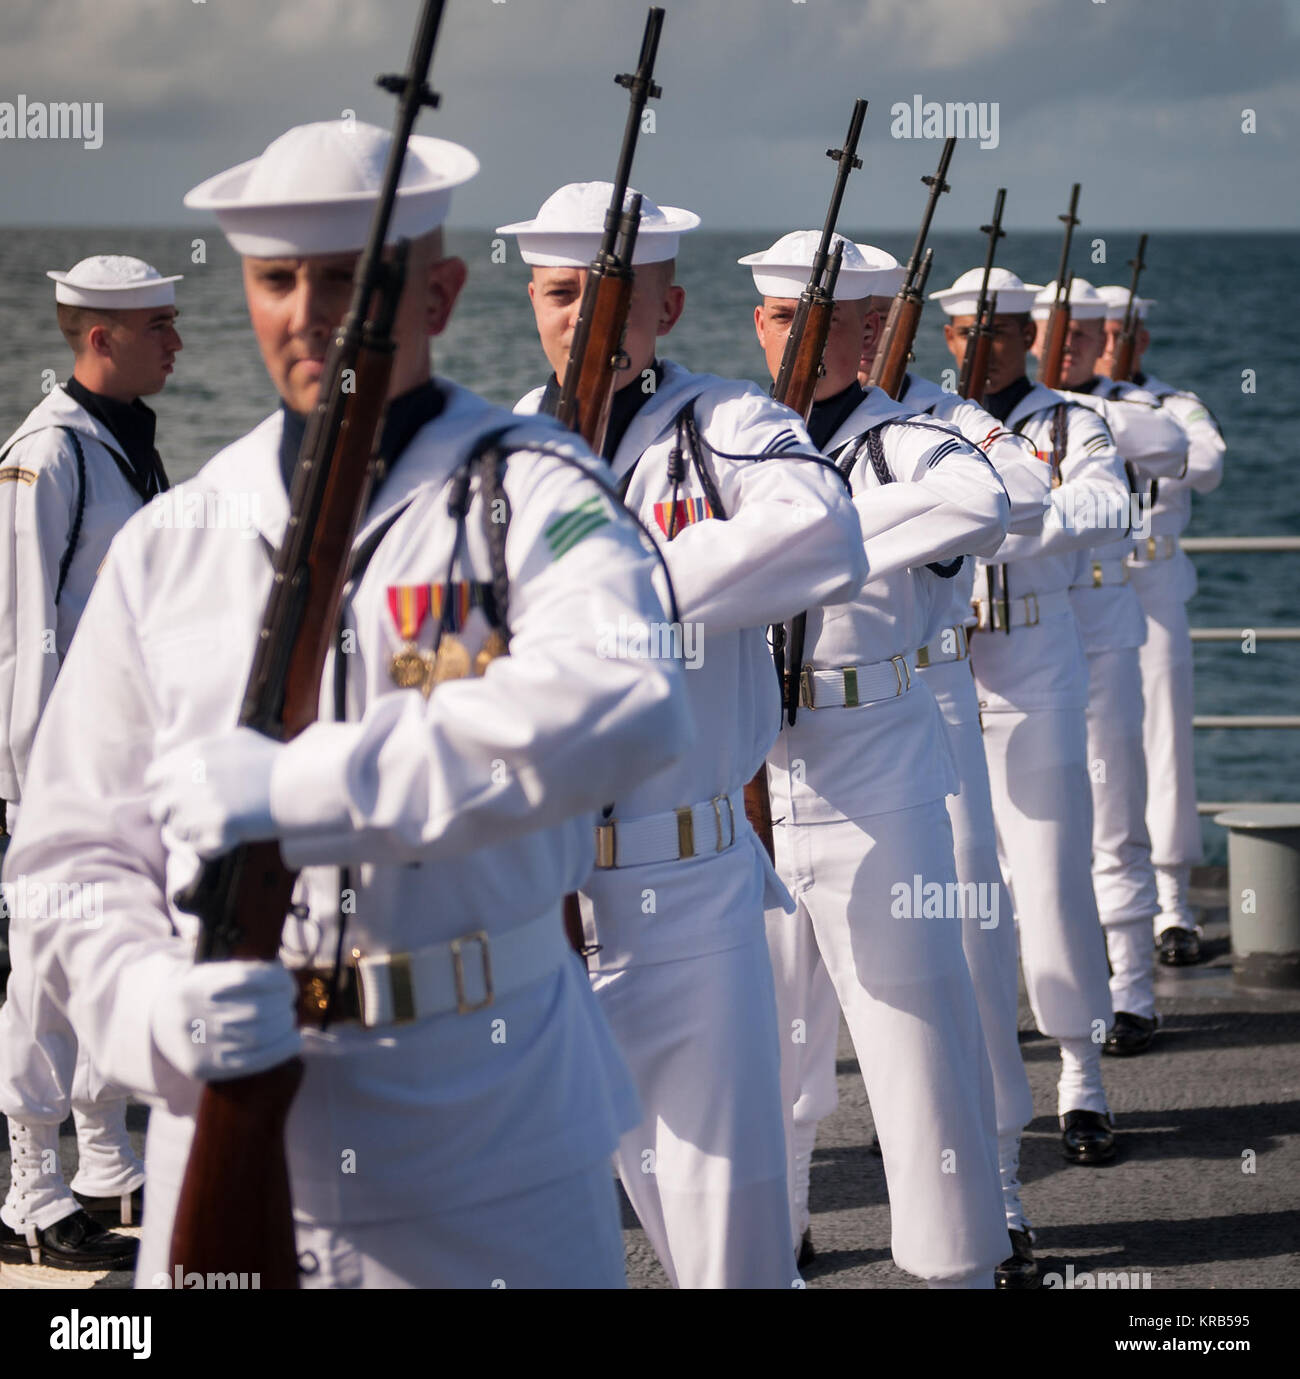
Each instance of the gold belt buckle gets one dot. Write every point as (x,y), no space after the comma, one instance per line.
(731,819)
(463,1006)
(922,657)
(606,845)
(1000,615)
(1098,574)
(398,968)
(1031,605)
(963,642)
(806,688)
(1152,548)
(903,672)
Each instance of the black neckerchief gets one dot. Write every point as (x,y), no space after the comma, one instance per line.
(132,426)
(907,383)
(627,402)
(1090,387)
(403,418)
(1001,405)
(1140,379)
(828,415)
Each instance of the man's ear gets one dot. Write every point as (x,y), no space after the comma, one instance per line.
(950,339)
(1029,333)
(446,279)
(670,312)
(760,326)
(99,341)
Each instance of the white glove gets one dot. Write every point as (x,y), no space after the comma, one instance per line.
(225,1019)
(215,792)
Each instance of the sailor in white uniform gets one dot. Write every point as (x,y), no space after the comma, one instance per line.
(1165,578)
(479,1100)
(1153,447)
(1032,679)
(70,476)
(989,939)
(754,526)
(858,782)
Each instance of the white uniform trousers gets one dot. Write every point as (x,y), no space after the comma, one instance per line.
(809,1043)
(989,938)
(561,1234)
(1042,803)
(1123,880)
(44,1074)
(1166,663)
(906,994)
(705,1169)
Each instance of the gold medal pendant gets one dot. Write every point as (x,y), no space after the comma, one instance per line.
(408,668)
(450,663)
(494,645)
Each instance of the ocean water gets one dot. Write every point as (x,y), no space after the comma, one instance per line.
(1219,329)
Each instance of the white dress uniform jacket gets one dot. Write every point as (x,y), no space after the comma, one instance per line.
(39,490)
(860,789)
(1032,682)
(455,814)
(682,970)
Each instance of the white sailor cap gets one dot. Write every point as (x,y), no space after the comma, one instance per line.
(782,270)
(1085,303)
(1116,299)
(313,190)
(567,229)
(1010,296)
(114,282)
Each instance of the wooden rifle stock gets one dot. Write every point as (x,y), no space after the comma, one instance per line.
(234,1213)
(1058,327)
(980,346)
(890,365)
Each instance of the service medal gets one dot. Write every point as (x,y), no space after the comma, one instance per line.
(407,667)
(451,662)
(494,645)
(408,605)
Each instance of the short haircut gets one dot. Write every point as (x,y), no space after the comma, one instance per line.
(76,322)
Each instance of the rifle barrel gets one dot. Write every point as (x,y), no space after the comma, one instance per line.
(938,184)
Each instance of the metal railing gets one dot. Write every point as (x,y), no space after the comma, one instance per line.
(1218,545)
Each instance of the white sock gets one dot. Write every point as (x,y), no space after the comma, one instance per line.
(1080,1086)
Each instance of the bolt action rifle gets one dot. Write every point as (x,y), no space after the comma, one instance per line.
(596,354)
(234,1215)
(889,368)
(979,342)
(1121,369)
(796,385)
(1058,322)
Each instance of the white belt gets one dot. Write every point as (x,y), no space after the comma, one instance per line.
(1027,611)
(464,975)
(1154,548)
(1104,572)
(934,653)
(691,830)
(850,687)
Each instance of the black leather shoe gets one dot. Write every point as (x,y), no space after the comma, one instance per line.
(1087,1137)
(807,1251)
(1129,1034)
(1021,1269)
(76,1242)
(1179,947)
(108,1210)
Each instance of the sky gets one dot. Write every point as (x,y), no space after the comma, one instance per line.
(1140,100)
